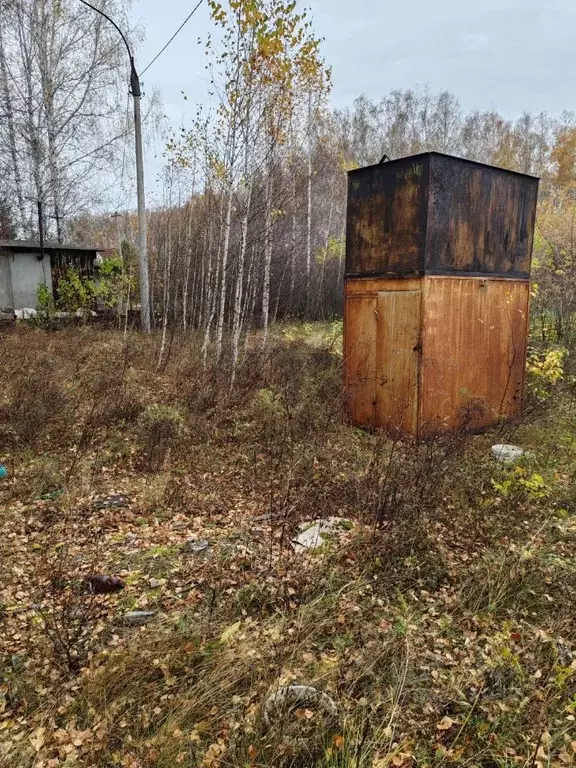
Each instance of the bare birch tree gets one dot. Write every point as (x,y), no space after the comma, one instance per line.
(62,89)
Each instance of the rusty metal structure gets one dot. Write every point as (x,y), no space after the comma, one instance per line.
(438,253)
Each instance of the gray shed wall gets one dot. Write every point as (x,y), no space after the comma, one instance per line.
(26,274)
(5,284)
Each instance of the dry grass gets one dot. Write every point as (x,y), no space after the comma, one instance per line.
(441,623)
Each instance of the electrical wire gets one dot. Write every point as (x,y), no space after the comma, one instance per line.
(192,12)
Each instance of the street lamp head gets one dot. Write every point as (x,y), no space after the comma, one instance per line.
(134,80)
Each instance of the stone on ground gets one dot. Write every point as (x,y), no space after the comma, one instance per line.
(313,534)
(507,454)
(138,618)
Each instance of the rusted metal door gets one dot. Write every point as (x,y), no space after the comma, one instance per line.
(360,358)
(382,351)
(397,359)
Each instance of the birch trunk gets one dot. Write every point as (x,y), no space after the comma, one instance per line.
(250,302)
(267,259)
(31,131)
(187,275)
(166,297)
(294,245)
(326,244)
(12,147)
(213,282)
(236,320)
(309,203)
(224,275)
(212,295)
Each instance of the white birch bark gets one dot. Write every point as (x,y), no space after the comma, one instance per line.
(267,258)
(239,290)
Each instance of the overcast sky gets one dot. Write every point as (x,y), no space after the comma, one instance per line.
(508,54)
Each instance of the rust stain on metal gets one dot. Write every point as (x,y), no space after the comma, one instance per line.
(375,284)
(381,352)
(386,220)
(438,214)
(480,219)
(473,351)
(445,353)
(397,360)
(360,358)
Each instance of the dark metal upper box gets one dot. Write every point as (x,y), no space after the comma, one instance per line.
(438,214)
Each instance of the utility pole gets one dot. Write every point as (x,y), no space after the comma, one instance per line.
(117,217)
(142,237)
(41,229)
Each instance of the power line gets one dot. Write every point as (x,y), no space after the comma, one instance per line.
(192,12)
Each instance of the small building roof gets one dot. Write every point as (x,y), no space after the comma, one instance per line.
(31,245)
(465,160)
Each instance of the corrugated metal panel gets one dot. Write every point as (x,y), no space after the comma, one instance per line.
(360,358)
(27,272)
(473,350)
(6,301)
(398,346)
(381,352)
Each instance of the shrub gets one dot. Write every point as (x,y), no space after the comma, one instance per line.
(268,413)
(45,307)
(114,285)
(70,615)
(546,370)
(75,292)
(161,425)
(37,406)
